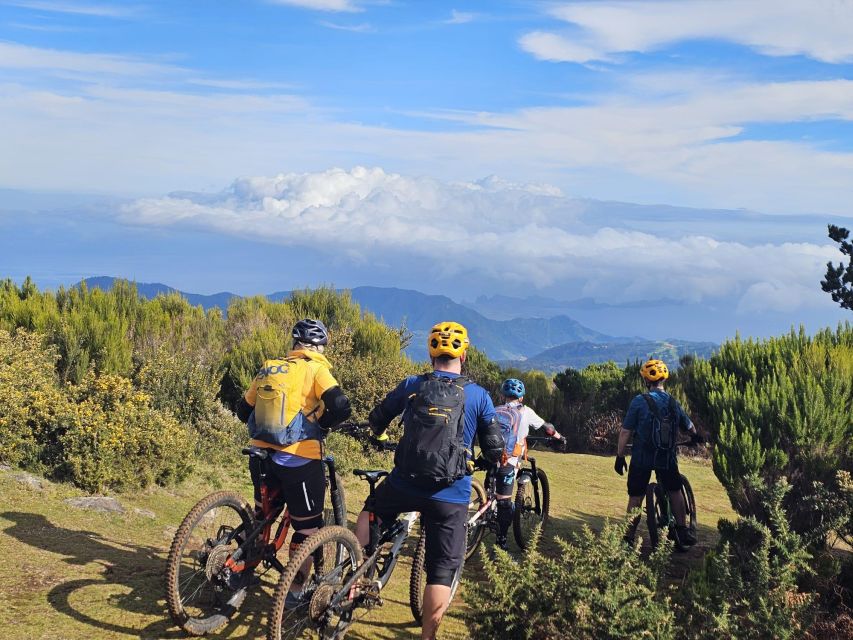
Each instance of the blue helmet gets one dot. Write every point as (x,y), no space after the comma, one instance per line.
(310,331)
(512,388)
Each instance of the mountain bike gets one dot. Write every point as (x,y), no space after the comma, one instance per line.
(213,556)
(660,515)
(532,502)
(327,601)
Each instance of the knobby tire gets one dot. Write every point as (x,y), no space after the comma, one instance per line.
(197,626)
(417,581)
(525,499)
(475,536)
(297,621)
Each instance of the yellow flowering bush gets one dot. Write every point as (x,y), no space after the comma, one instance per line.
(112,437)
(100,434)
(29,397)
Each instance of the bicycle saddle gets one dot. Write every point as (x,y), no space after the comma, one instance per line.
(370,475)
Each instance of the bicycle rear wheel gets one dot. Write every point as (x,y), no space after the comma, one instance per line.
(652,515)
(198,593)
(690,513)
(301,606)
(417,581)
(532,502)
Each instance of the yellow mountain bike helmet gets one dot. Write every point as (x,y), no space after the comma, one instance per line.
(654,370)
(447,339)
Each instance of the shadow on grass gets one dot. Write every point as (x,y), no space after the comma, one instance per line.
(133,574)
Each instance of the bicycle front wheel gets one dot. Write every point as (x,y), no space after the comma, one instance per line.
(532,502)
(336,510)
(302,602)
(198,593)
(475,533)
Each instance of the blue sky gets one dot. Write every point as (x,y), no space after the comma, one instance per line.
(335,130)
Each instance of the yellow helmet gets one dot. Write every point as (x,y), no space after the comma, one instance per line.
(654,370)
(447,339)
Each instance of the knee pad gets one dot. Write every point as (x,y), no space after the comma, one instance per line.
(314,522)
(440,575)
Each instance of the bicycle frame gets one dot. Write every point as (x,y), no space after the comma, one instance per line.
(480,519)
(268,552)
(396,534)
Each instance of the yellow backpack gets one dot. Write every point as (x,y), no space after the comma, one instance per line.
(280,416)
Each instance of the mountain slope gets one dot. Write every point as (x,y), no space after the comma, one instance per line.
(153,289)
(580,354)
(500,339)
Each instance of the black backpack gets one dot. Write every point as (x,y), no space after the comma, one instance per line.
(431,453)
(663,429)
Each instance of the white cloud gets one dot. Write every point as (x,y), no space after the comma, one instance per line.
(496,231)
(363,27)
(79,8)
(19,56)
(556,48)
(820,29)
(662,138)
(460,17)
(334,6)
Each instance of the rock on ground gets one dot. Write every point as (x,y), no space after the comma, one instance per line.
(96,503)
(30,481)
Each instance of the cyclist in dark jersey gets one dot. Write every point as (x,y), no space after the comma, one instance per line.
(646,456)
(443,510)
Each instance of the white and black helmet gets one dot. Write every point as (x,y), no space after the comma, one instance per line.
(309,331)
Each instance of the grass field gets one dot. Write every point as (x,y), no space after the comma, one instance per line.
(78,575)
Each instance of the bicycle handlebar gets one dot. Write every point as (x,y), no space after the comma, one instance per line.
(361,431)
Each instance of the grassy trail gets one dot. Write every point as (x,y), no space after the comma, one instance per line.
(79,575)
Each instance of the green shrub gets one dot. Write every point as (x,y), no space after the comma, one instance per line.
(595,587)
(778,408)
(748,587)
(176,383)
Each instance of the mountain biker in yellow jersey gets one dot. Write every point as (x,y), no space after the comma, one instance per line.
(516,420)
(652,420)
(442,412)
(289,407)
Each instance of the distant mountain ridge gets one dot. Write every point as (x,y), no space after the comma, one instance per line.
(580,354)
(520,340)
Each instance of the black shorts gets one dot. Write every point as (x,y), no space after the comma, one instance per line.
(302,489)
(638,479)
(504,480)
(444,523)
